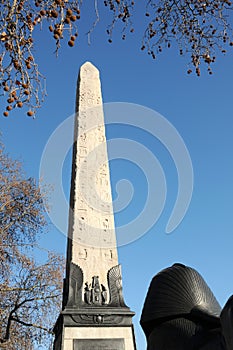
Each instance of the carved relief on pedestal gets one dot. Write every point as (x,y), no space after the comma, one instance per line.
(75,286)
(99,319)
(115,287)
(94,293)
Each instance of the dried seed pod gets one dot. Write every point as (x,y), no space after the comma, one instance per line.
(58,32)
(69,12)
(8,46)
(67,20)
(198,71)
(20,104)
(54,14)
(30,113)
(73,18)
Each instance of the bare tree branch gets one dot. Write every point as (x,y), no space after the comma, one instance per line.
(30,292)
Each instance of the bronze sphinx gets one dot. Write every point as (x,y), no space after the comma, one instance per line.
(181,313)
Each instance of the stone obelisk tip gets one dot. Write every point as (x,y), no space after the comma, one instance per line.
(88,88)
(88,70)
(88,65)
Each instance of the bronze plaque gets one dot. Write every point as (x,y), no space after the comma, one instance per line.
(99,344)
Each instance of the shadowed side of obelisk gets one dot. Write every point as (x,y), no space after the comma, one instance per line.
(94,313)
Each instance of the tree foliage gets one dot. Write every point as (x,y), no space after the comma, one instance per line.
(30,292)
(200,28)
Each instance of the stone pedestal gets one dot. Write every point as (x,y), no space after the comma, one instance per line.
(103,329)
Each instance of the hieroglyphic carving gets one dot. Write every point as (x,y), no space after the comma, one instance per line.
(108,254)
(82,254)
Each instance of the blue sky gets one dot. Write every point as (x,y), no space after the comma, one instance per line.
(201,111)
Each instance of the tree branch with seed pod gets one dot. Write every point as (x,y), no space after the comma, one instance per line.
(198,29)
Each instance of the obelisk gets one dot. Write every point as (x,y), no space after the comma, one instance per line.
(94,315)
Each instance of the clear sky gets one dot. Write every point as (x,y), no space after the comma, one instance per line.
(200,109)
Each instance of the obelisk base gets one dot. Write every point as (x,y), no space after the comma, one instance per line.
(95,330)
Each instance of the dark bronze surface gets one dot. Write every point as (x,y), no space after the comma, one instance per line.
(181,313)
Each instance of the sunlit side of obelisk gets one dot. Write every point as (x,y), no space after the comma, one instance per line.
(94,314)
